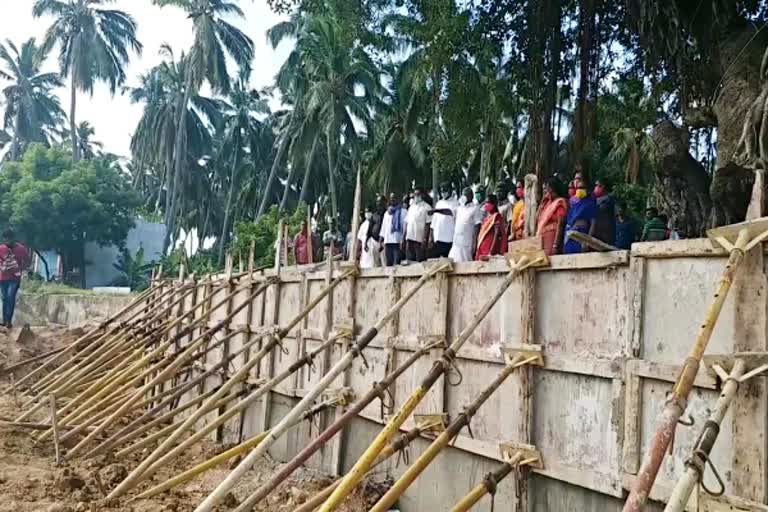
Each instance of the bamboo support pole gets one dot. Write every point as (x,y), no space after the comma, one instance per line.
(170,396)
(401,443)
(694,467)
(182,358)
(487,486)
(441,366)
(55,428)
(445,437)
(122,377)
(201,468)
(147,441)
(678,400)
(138,474)
(378,391)
(346,360)
(242,405)
(74,346)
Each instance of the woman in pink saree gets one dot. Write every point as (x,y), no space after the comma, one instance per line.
(551,218)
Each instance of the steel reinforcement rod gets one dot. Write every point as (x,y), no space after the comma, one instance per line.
(445,437)
(345,362)
(678,399)
(694,467)
(180,359)
(377,391)
(444,364)
(138,473)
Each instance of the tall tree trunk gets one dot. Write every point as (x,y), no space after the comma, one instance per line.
(587,14)
(435,129)
(281,148)
(332,170)
(307,171)
(16,144)
(72,119)
(224,238)
(178,159)
(486,145)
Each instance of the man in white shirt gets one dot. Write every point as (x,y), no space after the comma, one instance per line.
(417,223)
(443,223)
(367,247)
(469,216)
(392,231)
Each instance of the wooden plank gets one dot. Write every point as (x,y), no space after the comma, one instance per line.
(632,411)
(750,406)
(587,260)
(634,331)
(525,380)
(688,248)
(590,241)
(668,373)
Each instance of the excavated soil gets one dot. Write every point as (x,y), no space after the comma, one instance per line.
(31,482)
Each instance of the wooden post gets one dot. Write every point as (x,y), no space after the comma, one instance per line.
(55,427)
(228,264)
(356,217)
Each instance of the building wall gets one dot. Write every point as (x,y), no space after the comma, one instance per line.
(100,270)
(614,329)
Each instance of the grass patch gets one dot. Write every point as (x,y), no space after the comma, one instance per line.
(38,287)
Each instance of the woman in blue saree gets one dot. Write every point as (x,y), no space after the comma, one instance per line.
(581,215)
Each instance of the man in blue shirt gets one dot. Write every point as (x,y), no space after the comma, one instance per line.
(626,228)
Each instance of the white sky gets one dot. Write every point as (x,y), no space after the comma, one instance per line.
(114,118)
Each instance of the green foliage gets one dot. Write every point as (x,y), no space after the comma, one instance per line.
(201,264)
(55,204)
(262,234)
(135,271)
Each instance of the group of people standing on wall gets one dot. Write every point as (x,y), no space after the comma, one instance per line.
(472,226)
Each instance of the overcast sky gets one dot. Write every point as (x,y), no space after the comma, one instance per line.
(114,118)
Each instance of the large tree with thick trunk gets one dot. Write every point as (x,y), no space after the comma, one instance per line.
(712,52)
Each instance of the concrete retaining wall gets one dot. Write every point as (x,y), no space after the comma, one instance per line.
(66,309)
(614,329)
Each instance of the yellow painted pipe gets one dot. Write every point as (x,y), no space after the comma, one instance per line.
(365,462)
(205,466)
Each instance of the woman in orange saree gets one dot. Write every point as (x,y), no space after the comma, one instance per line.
(492,239)
(551,217)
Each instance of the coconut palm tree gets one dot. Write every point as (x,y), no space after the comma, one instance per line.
(343,84)
(33,112)
(86,146)
(214,40)
(242,129)
(398,156)
(162,91)
(94,46)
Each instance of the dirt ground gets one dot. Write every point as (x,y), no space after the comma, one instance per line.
(31,482)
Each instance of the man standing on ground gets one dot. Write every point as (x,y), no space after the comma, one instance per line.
(468,219)
(391,234)
(626,229)
(14,258)
(417,222)
(443,223)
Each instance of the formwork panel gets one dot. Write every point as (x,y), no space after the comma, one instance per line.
(577,427)
(700,403)
(374,299)
(468,294)
(676,297)
(498,418)
(420,316)
(290,305)
(582,313)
